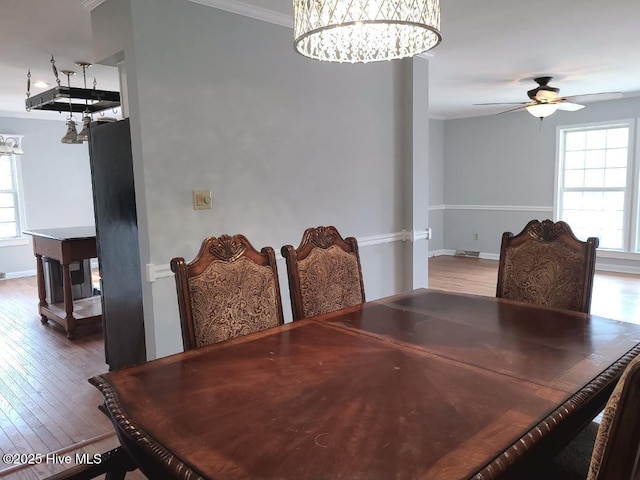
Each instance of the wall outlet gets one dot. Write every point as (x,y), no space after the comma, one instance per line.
(475,236)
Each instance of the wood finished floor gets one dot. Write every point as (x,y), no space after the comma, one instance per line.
(47,405)
(615,295)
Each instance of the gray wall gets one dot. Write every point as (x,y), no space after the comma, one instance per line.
(436,185)
(499,172)
(56,181)
(221,101)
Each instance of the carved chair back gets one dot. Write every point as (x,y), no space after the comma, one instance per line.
(617,446)
(547,265)
(324,273)
(229,289)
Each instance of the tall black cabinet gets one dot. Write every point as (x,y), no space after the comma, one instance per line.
(117,240)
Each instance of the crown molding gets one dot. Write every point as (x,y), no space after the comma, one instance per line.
(91,4)
(251,11)
(246,10)
(233,6)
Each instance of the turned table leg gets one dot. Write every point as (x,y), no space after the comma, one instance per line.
(68,302)
(42,295)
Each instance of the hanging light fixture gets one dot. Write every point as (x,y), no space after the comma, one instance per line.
(72,134)
(10,146)
(542,110)
(83,136)
(86,101)
(365,30)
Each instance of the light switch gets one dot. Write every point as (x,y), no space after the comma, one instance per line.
(201,199)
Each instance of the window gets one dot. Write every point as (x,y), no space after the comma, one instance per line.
(596,183)
(10,205)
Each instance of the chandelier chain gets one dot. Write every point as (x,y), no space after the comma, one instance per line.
(55,70)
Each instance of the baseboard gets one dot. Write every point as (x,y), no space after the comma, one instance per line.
(607,267)
(451,253)
(26,273)
(600,266)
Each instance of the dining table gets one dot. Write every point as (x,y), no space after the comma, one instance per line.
(426,384)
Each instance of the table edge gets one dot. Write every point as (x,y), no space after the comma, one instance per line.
(140,438)
(507,459)
(47,233)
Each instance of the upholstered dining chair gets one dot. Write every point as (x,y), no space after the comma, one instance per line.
(324,273)
(609,452)
(229,289)
(547,265)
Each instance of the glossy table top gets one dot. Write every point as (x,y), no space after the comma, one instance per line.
(66,233)
(422,385)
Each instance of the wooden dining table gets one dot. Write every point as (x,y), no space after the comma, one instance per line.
(427,384)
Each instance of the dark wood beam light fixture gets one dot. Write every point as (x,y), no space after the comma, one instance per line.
(86,101)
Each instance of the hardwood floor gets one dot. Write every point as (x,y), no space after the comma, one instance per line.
(47,405)
(615,295)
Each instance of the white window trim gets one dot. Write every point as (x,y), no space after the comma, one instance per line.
(634,228)
(21,239)
(633,170)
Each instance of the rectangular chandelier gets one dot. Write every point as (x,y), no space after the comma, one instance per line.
(78,100)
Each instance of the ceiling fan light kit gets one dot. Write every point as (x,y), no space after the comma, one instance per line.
(542,110)
(546,100)
(360,31)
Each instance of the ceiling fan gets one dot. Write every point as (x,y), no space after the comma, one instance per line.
(545,100)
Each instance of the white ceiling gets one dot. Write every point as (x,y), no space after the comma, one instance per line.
(490,51)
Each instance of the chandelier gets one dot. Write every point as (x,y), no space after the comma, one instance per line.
(365,30)
(10,146)
(85,101)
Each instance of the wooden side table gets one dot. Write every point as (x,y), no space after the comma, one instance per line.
(66,245)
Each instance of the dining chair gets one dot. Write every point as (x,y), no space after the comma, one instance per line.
(324,272)
(617,446)
(608,452)
(229,289)
(547,265)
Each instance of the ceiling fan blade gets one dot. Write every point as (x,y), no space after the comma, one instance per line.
(590,97)
(502,103)
(570,106)
(524,105)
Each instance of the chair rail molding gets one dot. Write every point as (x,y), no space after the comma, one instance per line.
(503,208)
(154,272)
